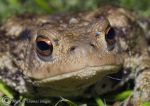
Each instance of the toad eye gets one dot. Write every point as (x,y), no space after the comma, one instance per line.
(44,46)
(110,35)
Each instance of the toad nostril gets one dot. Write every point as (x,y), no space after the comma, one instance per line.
(92,45)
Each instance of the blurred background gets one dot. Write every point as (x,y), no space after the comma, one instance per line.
(9,7)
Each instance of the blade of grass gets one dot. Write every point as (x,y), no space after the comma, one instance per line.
(145,104)
(100,102)
(70,103)
(6,90)
(121,96)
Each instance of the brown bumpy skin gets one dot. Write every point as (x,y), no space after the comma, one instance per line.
(64,54)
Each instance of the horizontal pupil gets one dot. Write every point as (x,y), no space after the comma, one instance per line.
(42,45)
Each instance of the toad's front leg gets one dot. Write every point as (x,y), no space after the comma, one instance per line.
(141,92)
(142,85)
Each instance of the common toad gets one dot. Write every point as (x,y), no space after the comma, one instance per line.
(67,54)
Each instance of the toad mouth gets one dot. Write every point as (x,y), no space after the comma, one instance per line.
(86,72)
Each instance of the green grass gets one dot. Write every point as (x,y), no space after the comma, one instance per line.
(6,90)
(121,96)
(99,102)
(9,97)
(10,7)
(145,104)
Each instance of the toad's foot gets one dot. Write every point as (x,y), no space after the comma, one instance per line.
(141,91)
(142,87)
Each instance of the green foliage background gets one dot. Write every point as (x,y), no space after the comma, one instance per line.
(9,7)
